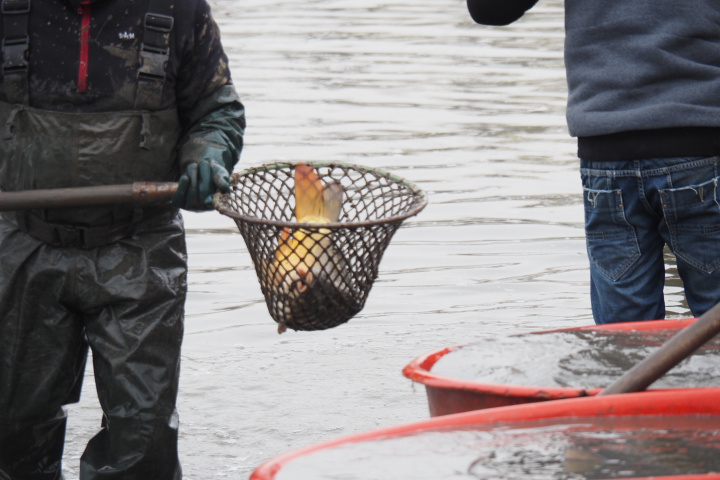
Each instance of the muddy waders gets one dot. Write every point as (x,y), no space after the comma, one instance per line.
(55,299)
(113,279)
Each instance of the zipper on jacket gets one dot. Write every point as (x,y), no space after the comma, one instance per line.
(84,10)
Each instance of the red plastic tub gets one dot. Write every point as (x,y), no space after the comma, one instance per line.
(447,395)
(672,431)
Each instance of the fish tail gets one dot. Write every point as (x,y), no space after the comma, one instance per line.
(333,198)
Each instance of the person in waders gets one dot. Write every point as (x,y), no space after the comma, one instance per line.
(101,92)
(644,103)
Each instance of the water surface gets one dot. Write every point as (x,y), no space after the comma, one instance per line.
(575,359)
(561,449)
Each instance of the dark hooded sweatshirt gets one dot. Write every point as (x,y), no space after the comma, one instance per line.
(643,77)
(197,68)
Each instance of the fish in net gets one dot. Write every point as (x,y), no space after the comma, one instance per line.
(316,233)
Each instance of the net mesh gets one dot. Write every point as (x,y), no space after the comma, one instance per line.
(316,276)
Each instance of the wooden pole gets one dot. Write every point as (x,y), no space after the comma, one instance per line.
(139,193)
(672,352)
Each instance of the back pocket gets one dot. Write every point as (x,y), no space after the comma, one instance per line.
(693,217)
(611,241)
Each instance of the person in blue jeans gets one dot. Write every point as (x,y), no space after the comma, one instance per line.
(644,103)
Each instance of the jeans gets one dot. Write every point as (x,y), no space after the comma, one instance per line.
(632,210)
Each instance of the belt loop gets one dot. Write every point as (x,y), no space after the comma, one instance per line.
(145,131)
(21,221)
(138,214)
(10,122)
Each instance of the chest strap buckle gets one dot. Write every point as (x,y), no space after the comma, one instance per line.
(158,22)
(15,55)
(10,7)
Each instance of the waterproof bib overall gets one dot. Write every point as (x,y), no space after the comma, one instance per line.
(110,277)
(54,149)
(48,149)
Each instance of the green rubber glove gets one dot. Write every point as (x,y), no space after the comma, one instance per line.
(199,183)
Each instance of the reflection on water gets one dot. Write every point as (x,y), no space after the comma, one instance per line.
(575,359)
(562,449)
(473,115)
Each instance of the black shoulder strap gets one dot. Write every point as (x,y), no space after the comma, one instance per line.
(154,54)
(15,49)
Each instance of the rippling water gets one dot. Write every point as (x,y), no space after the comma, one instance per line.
(475,116)
(569,449)
(575,359)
